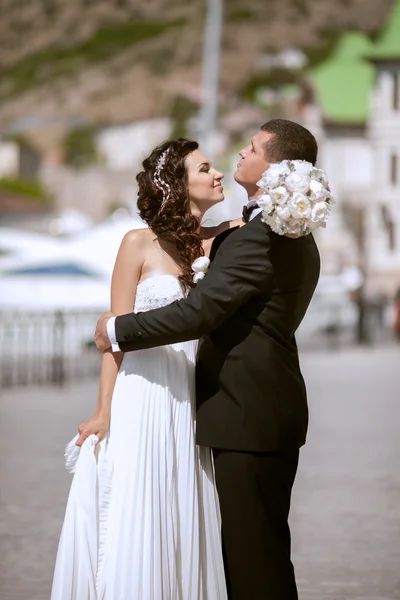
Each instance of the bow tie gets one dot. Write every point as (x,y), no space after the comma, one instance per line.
(248,209)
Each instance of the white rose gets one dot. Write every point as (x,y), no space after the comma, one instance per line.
(201,264)
(280,195)
(322,177)
(283,213)
(281,167)
(303,167)
(263,184)
(297,182)
(296,228)
(312,226)
(292,226)
(319,213)
(318,192)
(274,222)
(273,179)
(299,206)
(265,202)
(199,268)
(330,200)
(198,276)
(273,176)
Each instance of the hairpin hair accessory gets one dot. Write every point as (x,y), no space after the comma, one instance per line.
(162,185)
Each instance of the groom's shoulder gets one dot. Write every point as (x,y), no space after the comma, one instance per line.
(300,248)
(294,254)
(237,235)
(254,229)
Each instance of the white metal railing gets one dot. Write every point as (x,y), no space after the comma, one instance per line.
(47,347)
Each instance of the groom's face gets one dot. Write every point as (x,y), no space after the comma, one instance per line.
(253,162)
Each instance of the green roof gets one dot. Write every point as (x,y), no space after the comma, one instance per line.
(352,46)
(343,83)
(387,46)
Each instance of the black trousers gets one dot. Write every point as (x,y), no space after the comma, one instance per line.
(254,492)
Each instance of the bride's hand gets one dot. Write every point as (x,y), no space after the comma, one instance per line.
(97,425)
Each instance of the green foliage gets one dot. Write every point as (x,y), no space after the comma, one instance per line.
(319,53)
(278,77)
(274,78)
(79,146)
(182,110)
(105,43)
(241,14)
(26,187)
(22,142)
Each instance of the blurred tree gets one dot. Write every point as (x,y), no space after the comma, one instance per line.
(79,147)
(182,109)
(25,187)
(116,205)
(22,141)
(274,78)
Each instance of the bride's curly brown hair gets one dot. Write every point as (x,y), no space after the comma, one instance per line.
(173,222)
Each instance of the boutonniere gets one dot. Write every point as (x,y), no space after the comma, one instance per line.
(200,268)
(296,198)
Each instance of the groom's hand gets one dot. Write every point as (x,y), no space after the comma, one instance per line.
(100,337)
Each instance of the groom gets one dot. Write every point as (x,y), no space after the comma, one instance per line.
(251,397)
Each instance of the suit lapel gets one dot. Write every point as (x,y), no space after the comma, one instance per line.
(219,239)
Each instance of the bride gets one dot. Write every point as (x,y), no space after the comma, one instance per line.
(148,526)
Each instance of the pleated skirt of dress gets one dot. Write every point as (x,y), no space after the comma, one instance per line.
(142,519)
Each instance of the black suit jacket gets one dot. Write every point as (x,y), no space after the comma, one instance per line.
(250,392)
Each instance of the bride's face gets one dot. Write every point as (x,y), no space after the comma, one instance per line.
(204,182)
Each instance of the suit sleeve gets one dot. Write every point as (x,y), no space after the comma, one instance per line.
(240,271)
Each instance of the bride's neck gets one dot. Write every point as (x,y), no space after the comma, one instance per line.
(196,212)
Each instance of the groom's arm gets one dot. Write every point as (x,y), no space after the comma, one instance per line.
(240,270)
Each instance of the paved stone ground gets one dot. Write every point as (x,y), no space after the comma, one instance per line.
(346,504)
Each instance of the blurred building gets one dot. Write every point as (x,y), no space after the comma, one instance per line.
(97,190)
(354,110)
(21,196)
(124,146)
(18,160)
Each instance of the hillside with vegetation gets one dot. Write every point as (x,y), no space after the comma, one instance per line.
(110,61)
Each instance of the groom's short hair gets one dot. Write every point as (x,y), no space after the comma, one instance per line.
(290,141)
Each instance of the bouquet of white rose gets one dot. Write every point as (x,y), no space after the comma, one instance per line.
(296,198)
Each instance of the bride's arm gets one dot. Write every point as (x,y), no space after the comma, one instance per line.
(126,274)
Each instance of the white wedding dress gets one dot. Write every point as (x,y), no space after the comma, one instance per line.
(142,520)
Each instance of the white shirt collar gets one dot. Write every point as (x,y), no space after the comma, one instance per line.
(254,213)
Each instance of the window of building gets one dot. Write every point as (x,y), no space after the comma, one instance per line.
(389,226)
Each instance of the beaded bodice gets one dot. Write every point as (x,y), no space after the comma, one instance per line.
(157,291)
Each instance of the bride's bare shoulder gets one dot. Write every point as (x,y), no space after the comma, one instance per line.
(137,239)
(236,223)
(139,235)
